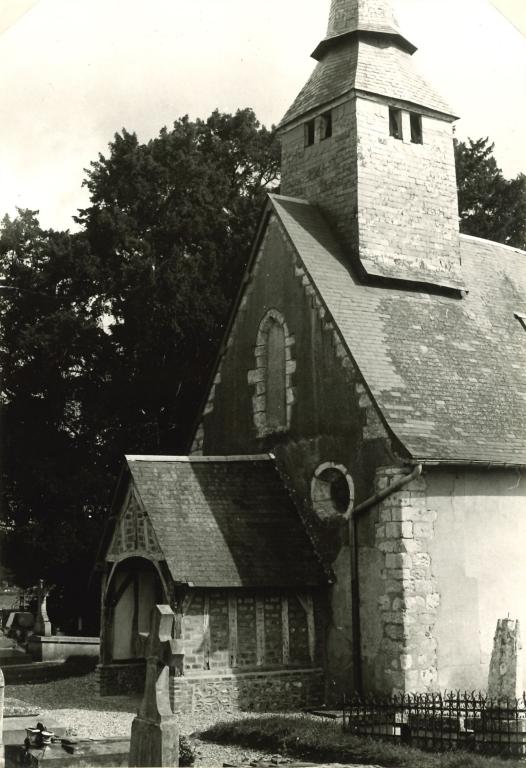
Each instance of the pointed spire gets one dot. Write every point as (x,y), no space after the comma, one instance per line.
(361,17)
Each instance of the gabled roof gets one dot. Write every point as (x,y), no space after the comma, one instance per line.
(448,374)
(225,521)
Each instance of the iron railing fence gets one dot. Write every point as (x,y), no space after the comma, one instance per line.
(436,721)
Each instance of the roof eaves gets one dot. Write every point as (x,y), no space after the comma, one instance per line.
(388,33)
(201,459)
(475,463)
(495,243)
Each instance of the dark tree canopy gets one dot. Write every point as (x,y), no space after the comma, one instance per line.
(490,206)
(108,335)
(171,223)
(51,356)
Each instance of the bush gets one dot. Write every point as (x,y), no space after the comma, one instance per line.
(186,752)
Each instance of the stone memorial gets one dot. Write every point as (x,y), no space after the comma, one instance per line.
(155,730)
(505,671)
(42,622)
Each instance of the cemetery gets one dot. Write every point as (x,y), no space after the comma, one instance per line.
(58,715)
(329,567)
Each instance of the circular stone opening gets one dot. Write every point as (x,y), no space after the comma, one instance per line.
(331,491)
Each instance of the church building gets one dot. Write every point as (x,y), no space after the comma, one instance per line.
(352,512)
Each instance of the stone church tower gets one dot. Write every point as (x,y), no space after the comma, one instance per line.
(386,180)
(351,514)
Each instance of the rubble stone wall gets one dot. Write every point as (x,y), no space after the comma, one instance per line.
(249,691)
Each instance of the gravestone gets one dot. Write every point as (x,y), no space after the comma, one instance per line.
(155,730)
(42,622)
(505,671)
(2,686)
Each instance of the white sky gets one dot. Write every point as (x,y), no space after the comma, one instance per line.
(73,72)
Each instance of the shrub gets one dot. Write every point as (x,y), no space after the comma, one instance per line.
(186,752)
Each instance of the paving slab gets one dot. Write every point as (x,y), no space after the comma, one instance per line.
(86,753)
(15,727)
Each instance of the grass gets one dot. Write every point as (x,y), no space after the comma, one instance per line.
(312,738)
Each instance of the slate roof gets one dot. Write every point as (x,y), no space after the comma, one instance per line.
(448,374)
(226,522)
(350,16)
(365,66)
(345,15)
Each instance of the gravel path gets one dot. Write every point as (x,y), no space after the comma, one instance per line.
(75,702)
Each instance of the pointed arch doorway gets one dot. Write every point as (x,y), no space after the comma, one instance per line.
(135,585)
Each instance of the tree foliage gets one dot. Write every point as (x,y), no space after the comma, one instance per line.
(108,335)
(51,349)
(490,206)
(171,222)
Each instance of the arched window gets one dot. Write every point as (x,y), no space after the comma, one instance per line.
(276,376)
(272,377)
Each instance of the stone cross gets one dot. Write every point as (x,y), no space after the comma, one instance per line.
(155,731)
(2,685)
(42,622)
(505,671)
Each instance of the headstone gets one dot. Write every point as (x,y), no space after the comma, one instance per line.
(505,671)
(2,686)
(155,730)
(42,622)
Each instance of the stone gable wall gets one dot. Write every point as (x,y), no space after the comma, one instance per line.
(333,420)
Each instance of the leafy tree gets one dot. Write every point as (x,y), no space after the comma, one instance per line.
(51,349)
(490,206)
(171,222)
(108,335)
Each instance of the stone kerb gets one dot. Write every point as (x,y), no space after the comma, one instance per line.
(410,601)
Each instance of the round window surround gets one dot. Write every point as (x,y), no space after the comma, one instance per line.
(332,491)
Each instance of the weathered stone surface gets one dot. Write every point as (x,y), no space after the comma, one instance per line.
(249,691)
(155,731)
(505,672)
(82,752)
(409,606)
(42,622)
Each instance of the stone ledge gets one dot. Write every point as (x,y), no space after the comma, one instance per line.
(58,639)
(257,673)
